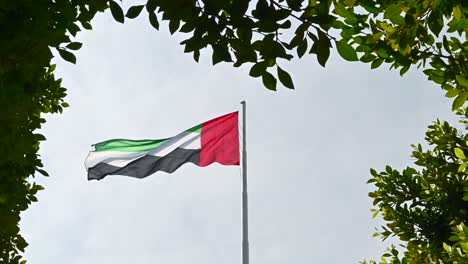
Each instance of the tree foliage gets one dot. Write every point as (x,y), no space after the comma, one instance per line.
(429,34)
(427,207)
(262,34)
(28,89)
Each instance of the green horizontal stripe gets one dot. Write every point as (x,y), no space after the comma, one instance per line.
(196,129)
(128,145)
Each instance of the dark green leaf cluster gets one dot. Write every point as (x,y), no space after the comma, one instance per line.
(422,206)
(248,32)
(28,89)
(456,253)
(428,33)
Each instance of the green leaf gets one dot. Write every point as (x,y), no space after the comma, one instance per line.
(86,25)
(174,25)
(43,172)
(350,2)
(73,29)
(154,20)
(258,69)
(39,137)
(457,12)
(134,11)
(220,53)
(74,45)
(388,169)
(38,187)
(436,22)
(459,153)
(196,55)
(464,246)
(462,167)
(392,11)
(269,81)
(375,37)
(66,55)
(285,78)
(404,70)
(446,44)
(383,53)
(377,63)
(459,101)
(187,27)
(368,58)
(294,4)
(116,11)
(462,81)
(452,93)
(323,48)
(244,34)
(346,51)
(302,48)
(323,8)
(286,24)
(409,19)
(151,6)
(447,247)
(20,242)
(341,10)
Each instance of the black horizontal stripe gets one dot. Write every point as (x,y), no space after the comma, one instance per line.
(147,165)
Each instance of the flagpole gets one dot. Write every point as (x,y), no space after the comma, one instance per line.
(245,222)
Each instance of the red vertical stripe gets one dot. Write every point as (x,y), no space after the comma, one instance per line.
(220,141)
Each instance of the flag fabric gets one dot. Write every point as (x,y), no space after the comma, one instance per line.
(216,140)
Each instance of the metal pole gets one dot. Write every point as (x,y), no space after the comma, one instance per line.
(245,221)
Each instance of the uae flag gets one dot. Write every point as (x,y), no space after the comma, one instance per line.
(216,140)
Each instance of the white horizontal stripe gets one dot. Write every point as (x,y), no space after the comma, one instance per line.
(96,157)
(185,140)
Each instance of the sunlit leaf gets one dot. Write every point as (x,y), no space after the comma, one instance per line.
(346,51)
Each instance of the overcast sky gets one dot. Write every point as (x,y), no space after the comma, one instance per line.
(309,151)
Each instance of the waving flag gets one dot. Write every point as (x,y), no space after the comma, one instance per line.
(216,140)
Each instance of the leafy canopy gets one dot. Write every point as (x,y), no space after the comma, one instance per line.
(28,88)
(429,34)
(427,207)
